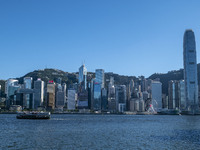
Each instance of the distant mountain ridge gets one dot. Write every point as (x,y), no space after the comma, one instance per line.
(69,78)
(172,75)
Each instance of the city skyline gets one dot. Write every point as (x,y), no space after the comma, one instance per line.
(133,38)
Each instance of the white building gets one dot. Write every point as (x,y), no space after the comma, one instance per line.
(38,93)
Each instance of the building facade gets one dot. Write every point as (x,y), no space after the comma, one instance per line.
(156,94)
(38,93)
(190,71)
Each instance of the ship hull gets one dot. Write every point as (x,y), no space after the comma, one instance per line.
(34,116)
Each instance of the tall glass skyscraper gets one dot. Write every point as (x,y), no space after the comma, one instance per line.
(99,77)
(97,96)
(82,77)
(190,71)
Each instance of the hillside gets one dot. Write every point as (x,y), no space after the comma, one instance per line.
(172,75)
(69,78)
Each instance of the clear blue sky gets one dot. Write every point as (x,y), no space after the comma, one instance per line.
(128,37)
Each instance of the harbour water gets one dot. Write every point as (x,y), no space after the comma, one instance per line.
(101,132)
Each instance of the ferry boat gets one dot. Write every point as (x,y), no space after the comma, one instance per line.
(169,112)
(34,115)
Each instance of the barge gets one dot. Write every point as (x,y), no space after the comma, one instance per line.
(34,115)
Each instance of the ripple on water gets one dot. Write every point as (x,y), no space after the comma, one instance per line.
(100,132)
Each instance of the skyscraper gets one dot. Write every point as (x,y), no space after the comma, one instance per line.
(121,97)
(156,94)
(72,98)
(99,77)
(104,99)
(27,97)
(98,84)
(82,76)
(10,82)
(51,95)
(38,93)
(112,104)
(28,82)
(190,71)
(97,96)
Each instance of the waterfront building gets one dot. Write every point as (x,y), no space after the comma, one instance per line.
(121,97)
(132,101)
(82,77)
(10,82)
(136,105)
(112,104)
(173,94)
(72,99)
(190,71)
(97,96)
(25,98)
(28,97)
(50,102)
(104,100)
(82,102)
(176,98)
(99,77)
(165,101)
(156,94)
(60,97)
(141,105)
(11,95)
(38,93)
(64,89)
(182,94)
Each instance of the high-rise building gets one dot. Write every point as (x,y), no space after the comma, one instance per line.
(72,99)
(82,76)
(38,93)
(50,95)
(11,98)
(99,77)
(97,96)
(112,104)
(182,94)
(173,91)
(82,102)
(64,89)
(121,97)
(10,82)
(27,97)
(156,94)
(190,71)
(104,100)
(28,82)
(176,98)
(60,99)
